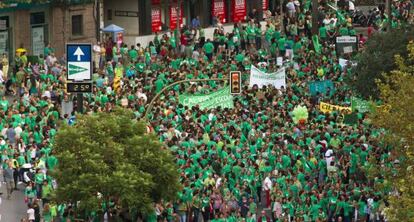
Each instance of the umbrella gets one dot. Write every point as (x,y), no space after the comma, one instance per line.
(20,50)
(113,28)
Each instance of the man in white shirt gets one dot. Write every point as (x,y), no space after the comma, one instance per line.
(96,54)
(291,8)
(329,157)
(267,186)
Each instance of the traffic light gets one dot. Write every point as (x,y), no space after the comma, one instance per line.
(235,82)
(117,84)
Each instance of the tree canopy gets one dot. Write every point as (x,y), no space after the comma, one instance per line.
(377,59)
(397,92)
(108,157)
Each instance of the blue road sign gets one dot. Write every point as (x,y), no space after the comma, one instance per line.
(79,53)
(79,61)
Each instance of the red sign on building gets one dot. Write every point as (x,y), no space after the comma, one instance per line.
(239,10)
(156,19)
(265,4)
(174,14)
(219,10)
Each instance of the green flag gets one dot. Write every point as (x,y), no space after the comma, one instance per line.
(221,98)
(316,44)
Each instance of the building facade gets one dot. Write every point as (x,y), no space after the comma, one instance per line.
(33,26)
(145,17)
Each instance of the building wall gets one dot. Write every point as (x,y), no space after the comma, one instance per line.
(57,25)
(130,24)
(61,27)
(22,29)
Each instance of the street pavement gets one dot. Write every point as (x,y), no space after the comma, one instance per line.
(12,210)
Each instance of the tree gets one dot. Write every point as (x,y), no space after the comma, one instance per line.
(398,120)
(376,59)
(109,157)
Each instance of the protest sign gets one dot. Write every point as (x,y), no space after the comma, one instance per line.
(221,98)
(279,61)
(259,78)
(327,108)
(321,87)
(344,62)
(360,105)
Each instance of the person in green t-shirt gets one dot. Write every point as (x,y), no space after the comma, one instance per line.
(209,49)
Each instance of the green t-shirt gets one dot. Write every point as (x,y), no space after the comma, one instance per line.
(208,48)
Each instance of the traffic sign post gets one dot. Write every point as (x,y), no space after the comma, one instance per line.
(79,70)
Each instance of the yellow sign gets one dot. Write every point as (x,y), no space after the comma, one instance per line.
(327,108)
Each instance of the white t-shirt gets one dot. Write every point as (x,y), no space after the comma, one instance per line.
(31,214)
(267,184)
(291,6)
(351,6)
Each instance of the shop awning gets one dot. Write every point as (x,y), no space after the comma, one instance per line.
(113,28)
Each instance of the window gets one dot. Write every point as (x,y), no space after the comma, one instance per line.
(37,18)
(109,14)
(4,22)
(77,25)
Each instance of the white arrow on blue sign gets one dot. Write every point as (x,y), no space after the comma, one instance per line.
(79,62)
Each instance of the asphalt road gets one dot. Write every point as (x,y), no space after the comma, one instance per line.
(12,210)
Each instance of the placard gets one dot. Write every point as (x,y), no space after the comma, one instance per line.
(279,61)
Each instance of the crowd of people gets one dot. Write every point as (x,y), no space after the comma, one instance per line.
(249,163)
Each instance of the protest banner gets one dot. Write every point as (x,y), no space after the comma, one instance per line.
(259,78)
(328,108)
(360,105)
(321,87)
(221,98)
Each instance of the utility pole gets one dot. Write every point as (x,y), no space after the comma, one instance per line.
(388,2)
(315,15)
(281,16)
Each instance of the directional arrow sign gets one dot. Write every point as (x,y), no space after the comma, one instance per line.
(73,69)
(79,61)
(78,53)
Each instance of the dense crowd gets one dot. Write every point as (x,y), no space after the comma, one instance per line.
(249,163)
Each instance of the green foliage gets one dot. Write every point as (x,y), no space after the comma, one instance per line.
(377,58)
(111,154)
(397,118)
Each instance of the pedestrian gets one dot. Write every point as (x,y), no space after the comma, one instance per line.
(31,213)
(8,177)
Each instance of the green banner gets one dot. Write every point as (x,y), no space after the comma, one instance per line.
(360,105)
(221,98)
